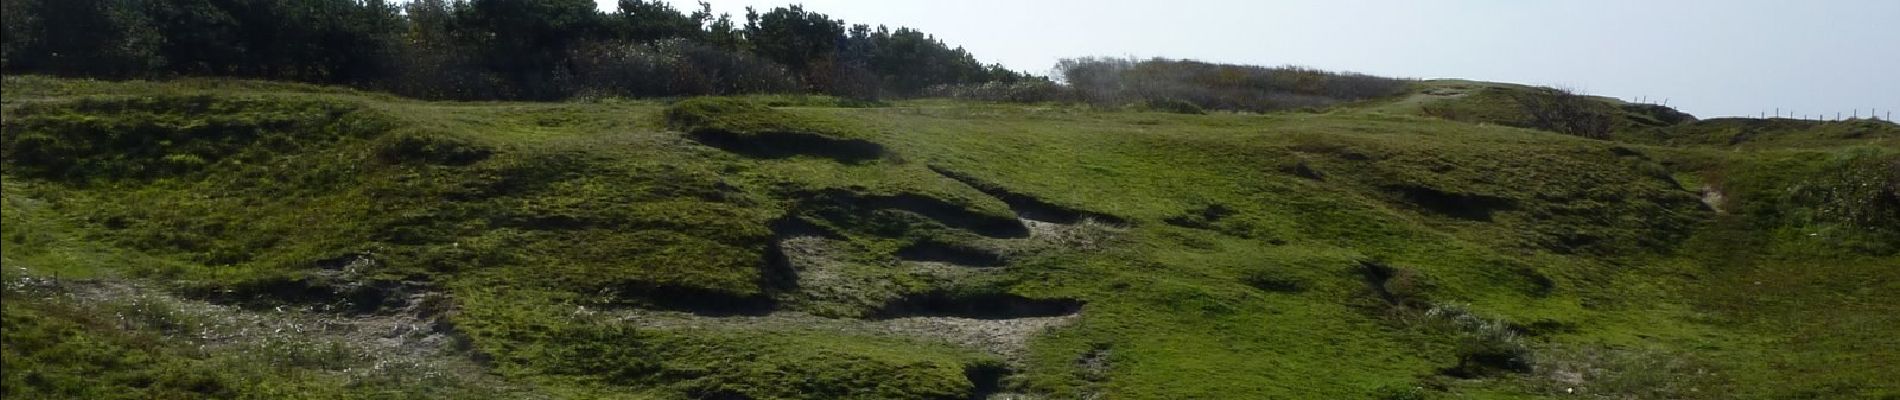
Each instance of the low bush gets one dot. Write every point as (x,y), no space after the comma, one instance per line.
(1174,106)
(1484,346)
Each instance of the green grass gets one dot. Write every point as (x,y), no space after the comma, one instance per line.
(1235,267)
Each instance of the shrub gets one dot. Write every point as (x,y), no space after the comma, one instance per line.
(1485,346)
(1401,393)
(1625,373)
(1559,110)
(1400,288)
(1862,190)
(1853,198)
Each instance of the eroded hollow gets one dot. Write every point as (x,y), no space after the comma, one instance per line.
(791,144)
(986,379)
(1475,207)
(356,297)
(933,251)
(843,205)
(1303,170)
(792,226)
(1276,284)
(1095,365)
(1026,206)
(697,301)
(1487,363)
(1203,218)
(779,274)
(1540,285)
(977,306)
(411,148)
(718,394)
(1392,285)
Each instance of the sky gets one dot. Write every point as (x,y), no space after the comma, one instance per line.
(1706,57)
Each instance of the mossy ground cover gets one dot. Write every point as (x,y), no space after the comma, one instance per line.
(1360,252)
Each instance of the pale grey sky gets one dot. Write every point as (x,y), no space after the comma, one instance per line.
(1707,57)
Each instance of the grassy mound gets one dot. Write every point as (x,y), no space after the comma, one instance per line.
(756,130)
(1557,111)
(151,137)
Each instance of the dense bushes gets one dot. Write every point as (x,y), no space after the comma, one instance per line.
(1181,86)
(1174,106)
(675,68)
(1858,190)
(1029,91)
(1111,81)
(483,49)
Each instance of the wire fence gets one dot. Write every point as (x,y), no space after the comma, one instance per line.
(1875,114)
(1855,114)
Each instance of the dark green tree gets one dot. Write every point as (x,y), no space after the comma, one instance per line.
(201,36)
(804,41)
(724,35)
(107,38)
(647,21)
(331,41)
(481,49)
(526,42)
(434,61)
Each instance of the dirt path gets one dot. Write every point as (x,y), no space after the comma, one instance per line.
(1004,337)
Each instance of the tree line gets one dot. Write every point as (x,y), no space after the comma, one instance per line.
(485,49)
(1184,86)
(1219,86)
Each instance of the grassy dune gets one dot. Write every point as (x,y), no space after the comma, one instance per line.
(233,239)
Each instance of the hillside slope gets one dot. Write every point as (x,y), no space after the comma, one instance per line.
(220,239)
